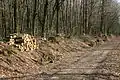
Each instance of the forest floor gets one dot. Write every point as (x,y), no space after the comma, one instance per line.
(78,62)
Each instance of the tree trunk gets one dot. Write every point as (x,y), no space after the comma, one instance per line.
(33,19)
(44,17)
(57,6)
(102,16)
(15,16)
(4,20)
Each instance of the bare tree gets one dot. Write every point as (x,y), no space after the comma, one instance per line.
(50,17)
(15,16)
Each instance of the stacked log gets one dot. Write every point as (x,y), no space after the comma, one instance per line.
(11,42)
(25,42)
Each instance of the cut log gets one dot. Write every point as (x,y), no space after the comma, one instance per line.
(25,42)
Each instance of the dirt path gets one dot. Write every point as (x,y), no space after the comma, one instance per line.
(99,63)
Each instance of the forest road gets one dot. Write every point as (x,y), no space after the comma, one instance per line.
(99,63)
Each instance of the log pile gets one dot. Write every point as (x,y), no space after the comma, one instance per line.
(24,42)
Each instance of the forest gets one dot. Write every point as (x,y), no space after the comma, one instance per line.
(51,17)
(59,40)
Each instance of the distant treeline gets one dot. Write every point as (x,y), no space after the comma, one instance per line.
(50,17)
